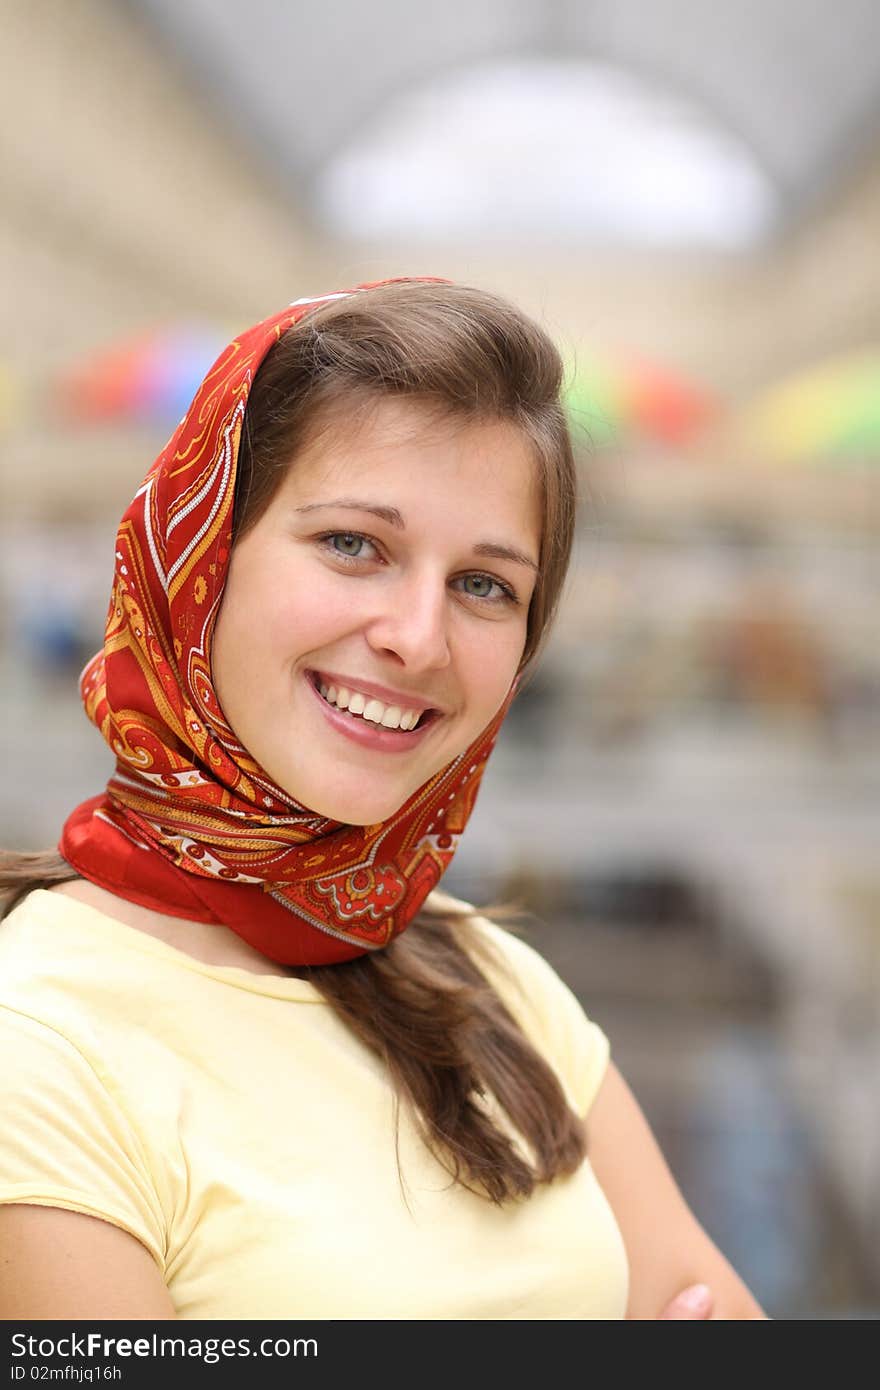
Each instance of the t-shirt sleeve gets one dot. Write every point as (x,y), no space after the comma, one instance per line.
(65,1140)
(550,1015)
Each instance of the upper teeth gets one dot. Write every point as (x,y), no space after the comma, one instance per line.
(389,716)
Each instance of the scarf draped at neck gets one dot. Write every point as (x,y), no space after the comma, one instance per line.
(189,824)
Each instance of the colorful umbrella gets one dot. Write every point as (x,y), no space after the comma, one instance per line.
(827,414)
(155,375)
(152,377)
(613,399)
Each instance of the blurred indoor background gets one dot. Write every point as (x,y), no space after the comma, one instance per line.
(688,196)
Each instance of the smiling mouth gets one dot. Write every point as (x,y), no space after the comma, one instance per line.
(367,709)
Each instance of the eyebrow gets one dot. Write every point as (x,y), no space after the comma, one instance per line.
(493,549)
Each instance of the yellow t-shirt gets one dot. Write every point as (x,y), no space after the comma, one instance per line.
(239,1130)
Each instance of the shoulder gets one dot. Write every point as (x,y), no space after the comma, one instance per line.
(71,1138)
(45,959)
(68,1140)
(543,1005)
(27,957)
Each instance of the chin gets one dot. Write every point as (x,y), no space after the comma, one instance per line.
(350,808)
(347,814)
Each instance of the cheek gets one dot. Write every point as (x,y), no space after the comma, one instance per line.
(315,619)
(298,618)
(492,665)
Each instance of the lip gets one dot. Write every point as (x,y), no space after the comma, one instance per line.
(404,700)
(363,732)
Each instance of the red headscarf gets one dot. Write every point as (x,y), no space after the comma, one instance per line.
(190,824)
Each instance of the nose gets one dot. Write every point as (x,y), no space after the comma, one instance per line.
(412,624)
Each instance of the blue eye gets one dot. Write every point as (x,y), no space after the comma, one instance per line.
(347,543)
(352,546)
(482,579)
(503,594)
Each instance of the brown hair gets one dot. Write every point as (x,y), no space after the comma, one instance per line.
(425,1004)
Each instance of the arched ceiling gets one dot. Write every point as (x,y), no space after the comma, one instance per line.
(796,82)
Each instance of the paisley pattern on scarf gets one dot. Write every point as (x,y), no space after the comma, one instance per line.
(189,823)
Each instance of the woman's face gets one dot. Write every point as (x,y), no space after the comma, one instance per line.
(393,569)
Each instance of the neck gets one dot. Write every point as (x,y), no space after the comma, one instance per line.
(205,941)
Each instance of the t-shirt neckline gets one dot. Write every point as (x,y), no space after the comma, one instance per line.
(132,938)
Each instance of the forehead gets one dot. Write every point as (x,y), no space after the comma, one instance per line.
(421,453)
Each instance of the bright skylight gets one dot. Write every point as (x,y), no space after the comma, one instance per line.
(550,151)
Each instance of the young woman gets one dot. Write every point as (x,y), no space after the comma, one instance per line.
(254,1064)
